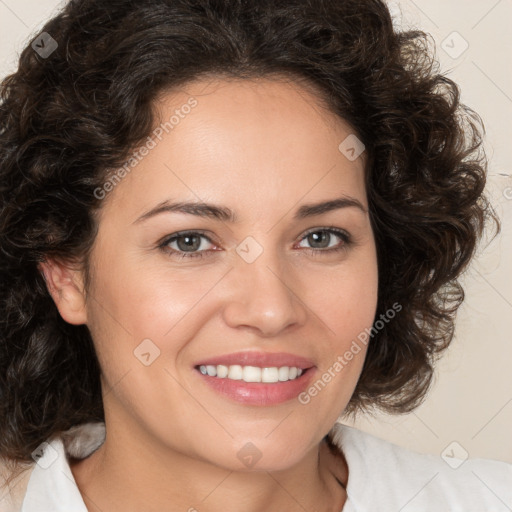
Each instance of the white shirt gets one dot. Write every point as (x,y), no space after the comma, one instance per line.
(383,477)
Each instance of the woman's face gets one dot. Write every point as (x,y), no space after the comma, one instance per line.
(280,286)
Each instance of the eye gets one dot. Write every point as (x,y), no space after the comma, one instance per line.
(187,243)
(321,239)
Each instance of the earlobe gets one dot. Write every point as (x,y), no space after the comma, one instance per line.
(65,285)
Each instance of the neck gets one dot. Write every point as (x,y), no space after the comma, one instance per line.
(126,474)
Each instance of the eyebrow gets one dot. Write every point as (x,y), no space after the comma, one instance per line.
(223,213)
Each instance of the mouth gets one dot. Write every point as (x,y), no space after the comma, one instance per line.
(252,373)
(257,378)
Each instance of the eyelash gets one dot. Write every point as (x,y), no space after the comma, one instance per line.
(346,238)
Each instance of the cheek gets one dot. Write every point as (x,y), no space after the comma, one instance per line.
(347,305)
(347,299)
(148,300)
(135,303)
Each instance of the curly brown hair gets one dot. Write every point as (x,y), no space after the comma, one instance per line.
(67,118)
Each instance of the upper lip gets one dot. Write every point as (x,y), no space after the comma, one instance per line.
(259,359)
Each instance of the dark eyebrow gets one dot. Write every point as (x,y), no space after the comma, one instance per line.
(309,210)
(199,209)
(225,214)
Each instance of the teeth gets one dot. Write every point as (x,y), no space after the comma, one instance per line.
(283,373)
(270,375)
(222,371)
(235,372)
(252,373)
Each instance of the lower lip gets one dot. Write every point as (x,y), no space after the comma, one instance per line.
(259,393)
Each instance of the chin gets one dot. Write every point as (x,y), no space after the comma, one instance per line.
(246,455)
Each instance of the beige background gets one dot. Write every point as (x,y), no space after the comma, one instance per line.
(471,400)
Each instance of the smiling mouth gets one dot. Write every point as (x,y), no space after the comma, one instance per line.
(273,374)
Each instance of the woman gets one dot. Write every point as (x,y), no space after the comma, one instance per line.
(224,225)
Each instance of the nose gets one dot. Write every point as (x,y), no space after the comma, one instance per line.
(264,296)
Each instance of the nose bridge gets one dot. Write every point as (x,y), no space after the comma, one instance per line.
(264,297)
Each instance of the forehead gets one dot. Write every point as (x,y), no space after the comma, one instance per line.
(261,141)
(255,106)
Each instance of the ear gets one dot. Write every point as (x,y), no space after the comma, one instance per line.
(65,285)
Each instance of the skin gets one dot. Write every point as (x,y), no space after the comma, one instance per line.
(262,148)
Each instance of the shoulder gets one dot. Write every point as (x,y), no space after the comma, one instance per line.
(50,479)
(381,472)
(13,492)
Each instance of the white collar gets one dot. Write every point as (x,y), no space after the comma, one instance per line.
(381,474)
(52,487)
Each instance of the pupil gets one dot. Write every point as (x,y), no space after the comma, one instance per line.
(322,237)
(189,244)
